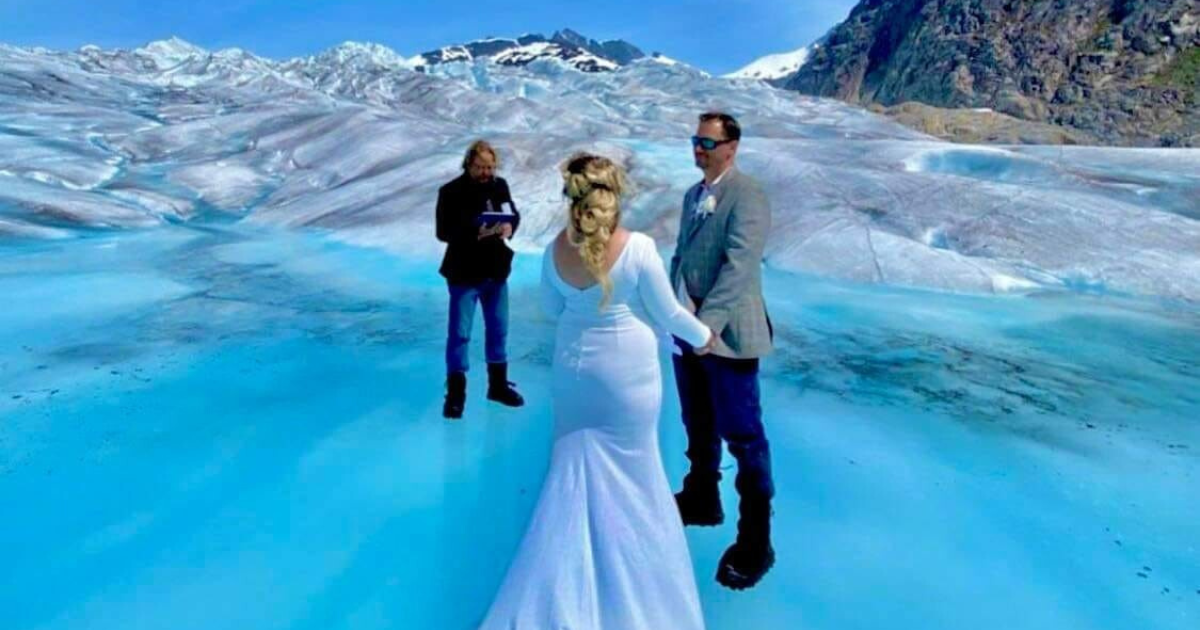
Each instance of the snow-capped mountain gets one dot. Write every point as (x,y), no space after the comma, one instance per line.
(566,45)
(168,53)
(663,59)
(578,58)
(774,67)
(365,54)
(175,62)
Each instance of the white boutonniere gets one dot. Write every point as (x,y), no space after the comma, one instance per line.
(706,206)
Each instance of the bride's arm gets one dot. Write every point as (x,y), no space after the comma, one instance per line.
(655,291)
(551,299)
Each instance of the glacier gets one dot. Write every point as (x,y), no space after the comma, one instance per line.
(220,352)
(353,140)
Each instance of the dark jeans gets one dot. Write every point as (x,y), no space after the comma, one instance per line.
(720,401)
(493,295)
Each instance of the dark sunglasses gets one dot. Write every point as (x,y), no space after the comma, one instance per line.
(708,144)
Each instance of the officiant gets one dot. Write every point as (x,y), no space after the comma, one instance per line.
(476,218)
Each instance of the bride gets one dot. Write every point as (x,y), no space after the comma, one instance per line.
(605,548)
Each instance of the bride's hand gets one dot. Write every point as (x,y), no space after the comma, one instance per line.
(706,348)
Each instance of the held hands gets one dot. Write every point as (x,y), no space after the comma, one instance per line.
(708,347)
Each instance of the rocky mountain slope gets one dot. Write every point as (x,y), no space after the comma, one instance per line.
(1122,71)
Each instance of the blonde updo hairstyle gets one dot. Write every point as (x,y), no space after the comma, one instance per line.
(594,186)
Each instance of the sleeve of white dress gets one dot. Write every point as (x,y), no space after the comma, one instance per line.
(551,299)
(655,291)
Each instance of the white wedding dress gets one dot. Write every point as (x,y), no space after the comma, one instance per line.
(605,548)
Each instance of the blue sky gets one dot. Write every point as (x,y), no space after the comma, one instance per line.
(717,36)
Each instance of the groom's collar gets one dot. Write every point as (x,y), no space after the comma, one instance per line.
(716,182)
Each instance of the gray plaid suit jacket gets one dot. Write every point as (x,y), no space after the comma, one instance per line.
(720,260)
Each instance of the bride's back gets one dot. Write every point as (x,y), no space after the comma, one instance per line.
(569,262)
(581,294)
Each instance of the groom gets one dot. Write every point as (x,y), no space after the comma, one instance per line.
(717,271)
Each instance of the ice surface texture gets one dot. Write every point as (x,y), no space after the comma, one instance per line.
(354,142)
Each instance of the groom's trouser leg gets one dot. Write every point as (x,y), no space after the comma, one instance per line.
(733,386)
(695,401)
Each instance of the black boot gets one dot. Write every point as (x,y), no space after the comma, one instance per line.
(700,502)
(456,395)
(500,389)
(749,559)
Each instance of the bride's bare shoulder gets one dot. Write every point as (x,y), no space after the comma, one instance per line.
(639,238)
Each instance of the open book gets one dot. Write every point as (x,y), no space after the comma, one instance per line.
(503,215)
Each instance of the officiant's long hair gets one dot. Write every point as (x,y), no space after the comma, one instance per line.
(594,186)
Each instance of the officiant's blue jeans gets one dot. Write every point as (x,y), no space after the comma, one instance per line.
(492,295)
(719,398)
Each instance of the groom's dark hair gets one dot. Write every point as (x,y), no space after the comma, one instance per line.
(729,124)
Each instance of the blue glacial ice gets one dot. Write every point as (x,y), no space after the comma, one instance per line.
(213,427)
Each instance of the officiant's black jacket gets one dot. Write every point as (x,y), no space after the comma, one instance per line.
(470,260)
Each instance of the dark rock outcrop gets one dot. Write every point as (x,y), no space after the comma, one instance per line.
(1122,71)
